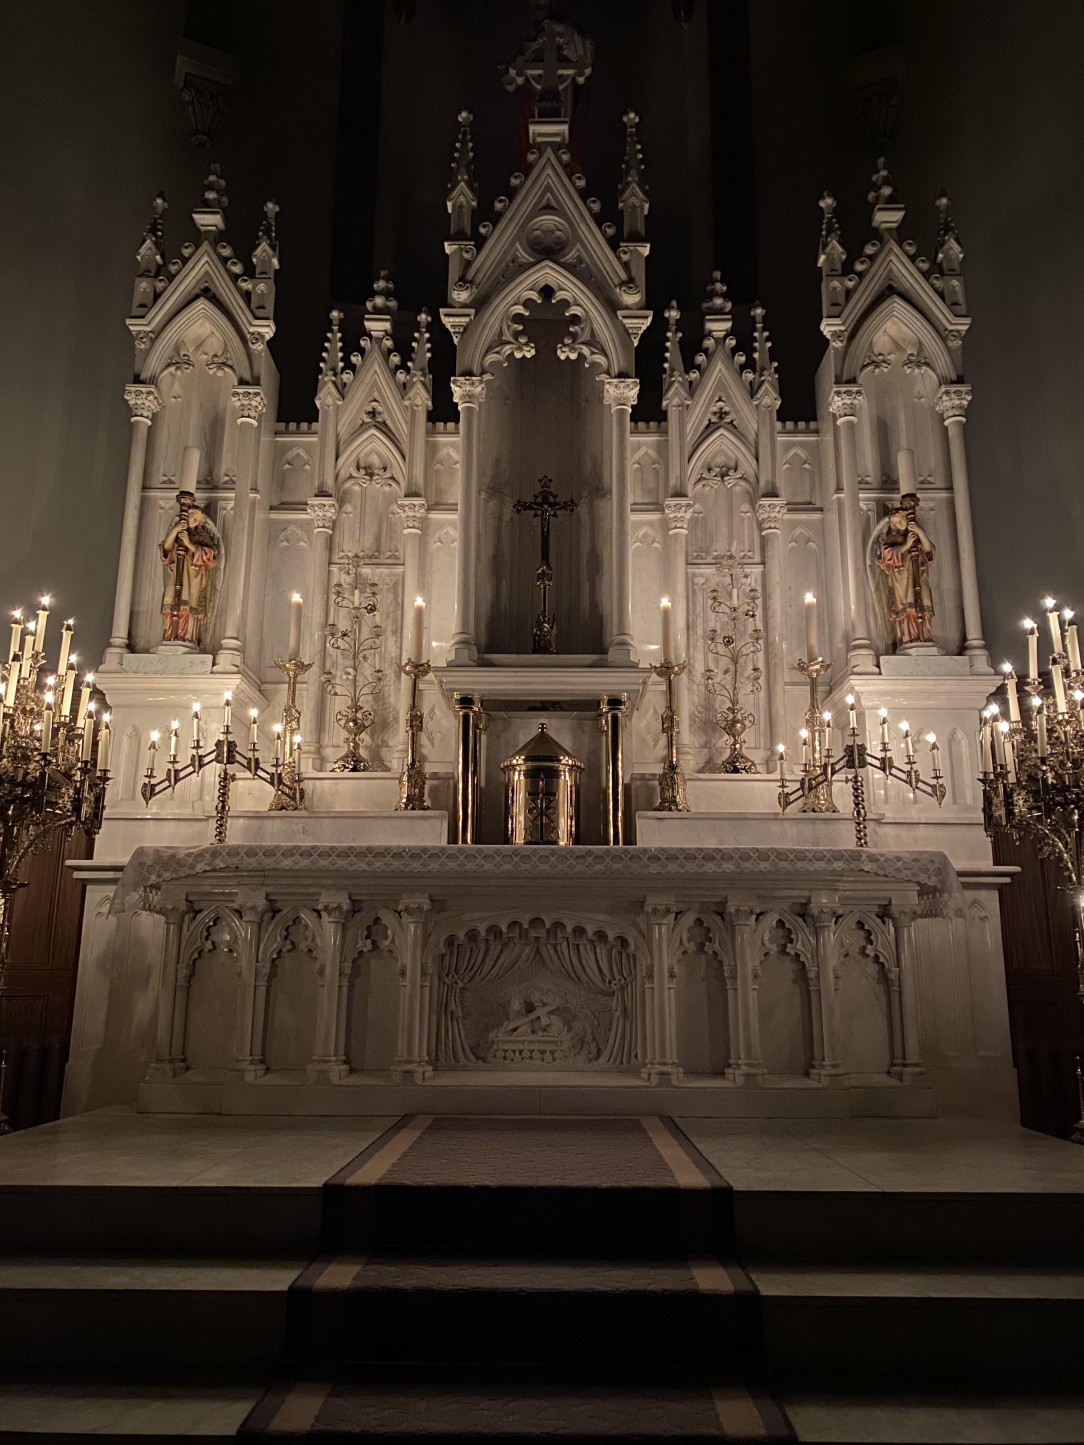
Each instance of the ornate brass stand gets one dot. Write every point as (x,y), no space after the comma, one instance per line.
(412,779)
(612,712)
(357,645)
(544,505)
(289,795)
(818,799)
(736,599)
(672,790)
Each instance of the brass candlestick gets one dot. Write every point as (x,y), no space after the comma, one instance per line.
(289,795)
(736,599)
(672,789)
(358,642)
(412,780)
(818,798)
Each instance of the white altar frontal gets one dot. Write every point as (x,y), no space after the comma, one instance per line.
(371,942)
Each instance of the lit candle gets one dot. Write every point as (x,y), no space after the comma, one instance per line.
(908,741)
(152,746)
(12,683)
(105,743)
(43,618)
(1055,622)
(1072,642)
(417,646)
(1010,693)
(65,645)
(882,713)
(935,752)
(852,713)
(189,469)
(733,591)
(986,747)
(905,470)
(47,723)
(253,733)
(69,688)
(278,743)
(1010,756)
(88,733)
(826,733)
(195,727)
(1058,679)
(296,606)
(1041,746)
(782,751)
(173,727)
(227,711)
(1000,729)
(804,735)
(666,612)
(16,633)
(28,667)
(811,652)
(84,696)
(1033,647)
(297,754)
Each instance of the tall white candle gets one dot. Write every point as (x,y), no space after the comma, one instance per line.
(105,744)
(227,711)
(986,747)
(1054,621)
(253,729)
(908,741)
(905,470)
(417,645)
(1072,642)
(278,742)
(804,735)
(65,646)
(29,644)
(782,751)
(883,714)
(47,723)
(1041,746)
(811,652)
(84,695)
(296,608)
(173,729)
(16,633)
(195,727)
(1057,677)
(12,683)
(1033,647)
(189,469)
(88,735)
(666,613)
(43,618)
(1011,694)
(1000,729)
(852,713)
(1010,754)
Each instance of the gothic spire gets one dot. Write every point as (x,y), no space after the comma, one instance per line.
(462,188)
(632,193)
(267,234)
(673,367)
(831,236)
(762,347)
(419,362)
(949,254)
(150,260)
(716,307)
(946,227)
(209,217)
(888,209)
(331,362)
(155,229)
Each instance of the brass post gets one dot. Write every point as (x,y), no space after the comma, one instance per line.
(289,796)
(470,724)
(412,779)
(672,795)
(612,712)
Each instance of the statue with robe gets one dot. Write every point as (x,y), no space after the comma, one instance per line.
(898,561)
(191,553)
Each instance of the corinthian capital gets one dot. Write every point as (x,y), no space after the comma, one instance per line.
(741,915)
(323,511)
(679,513)
(845,401)
(770,514)
(412,510)
(469,390)
(620,390)
(249,403)
(144,401)
(952,401)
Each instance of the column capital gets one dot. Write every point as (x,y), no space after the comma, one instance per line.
(323,511)
(414,910)
(742,915)
(618,391)
(902,914)
(952,401)
(252,905)
(770,514)
(413,511)
(823,915)
(335,907)
(469,390)
(679,513)
(249,402)
(844,402)
(143,400)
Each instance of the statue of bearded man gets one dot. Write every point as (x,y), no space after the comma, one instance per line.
(191,553)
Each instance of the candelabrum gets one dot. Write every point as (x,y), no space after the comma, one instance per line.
(672,792)
(358,642)
(412,780)
(735,602)
(820,768)
(283,774)
(816,742)
(54,759)
(1032,766)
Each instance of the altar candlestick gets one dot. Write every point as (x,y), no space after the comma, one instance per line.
(667,615)
(189,469)
(105,742)
(253,731)
(43,618)
(852,713)
(905,470)
(1072,642)
(1011,694)
(12,683)
(296,607)
(1055,622)
(908,741)
(826,732)
(16,633)
(1033,647)
(882,713)
(152,745)
(782,751)
(47,723)
(69,688)
(986,747)
(935,751)
(804,735)
(84,696)
(1057,677)
(65,645)
(174,725)
(195,727)
(1041,745)
(417,646)
(227,711)
(811,649)
(88,734)
(1000,729)
(297,754)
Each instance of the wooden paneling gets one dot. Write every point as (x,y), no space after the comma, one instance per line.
(1045,1012)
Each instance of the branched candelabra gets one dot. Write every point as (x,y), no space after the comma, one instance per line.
(54,759)
(1033,768)
(358,642)
(735,601)
(819,768)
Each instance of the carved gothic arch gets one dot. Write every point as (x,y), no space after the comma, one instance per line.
(457,926)
(194,937)
(718,946)
(359,924)
(274,940)
(376,436)
(803,946)
(914,301)
(884,947)
(166,343)
(716,449)
(372,383)
(721,382)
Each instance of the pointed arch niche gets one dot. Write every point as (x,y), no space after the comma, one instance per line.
(198,368)
(899,368)
(544,414)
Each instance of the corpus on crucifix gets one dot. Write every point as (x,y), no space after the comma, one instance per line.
(544,505)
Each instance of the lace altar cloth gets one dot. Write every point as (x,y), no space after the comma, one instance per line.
(940,895)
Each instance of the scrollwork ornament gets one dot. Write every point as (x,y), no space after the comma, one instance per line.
(412,511)
(249,402)
(618,391)
(322,511)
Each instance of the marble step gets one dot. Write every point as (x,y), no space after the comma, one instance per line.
(1010,1326)
(74,1314)
(663,1312)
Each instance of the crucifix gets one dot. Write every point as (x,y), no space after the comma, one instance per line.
(544,505)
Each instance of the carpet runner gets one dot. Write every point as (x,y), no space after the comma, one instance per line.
(508,1278)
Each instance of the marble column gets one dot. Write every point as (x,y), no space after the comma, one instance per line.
(144,402)
(661,1061)
(177,915)
(679,512)
(328,1064)
(412,510)
(249,404)
(952,402)
(747,1068)
(910,1061)
(770,514)
(620,392)
(844,404)
(253,910)
(824,918)
(469,393)
(322,513)
(411,1060)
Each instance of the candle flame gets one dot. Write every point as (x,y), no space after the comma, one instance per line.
(90,707)
(1036,701)
(781,749)
(174,725)
(106,717)
(88,678)
(73,658)
(905,726)
(850,699)
(931,738)
(803,733)
(1078,694)
(253,713)
(1003,727)
(1027,622)
(154,737)
(227,697)
(31,628)
(296,597)
(1006,667)
(297,740)
(664,602)
(17,615)
(883,711)
(1049,603)
(1068,613)
(69,623)
(419,602)
(46,600)
(48,699)
(195,707)
(827,716)
(278,727)
(809,597)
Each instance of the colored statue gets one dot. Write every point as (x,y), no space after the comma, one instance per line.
(898,560)
(191,553)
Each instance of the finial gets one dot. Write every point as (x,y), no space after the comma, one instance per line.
(632,167)
(946,226)
(331,362)
(883,192)
(717,303)
(830,232)
(463,156)
(762,347)
(888,209)
(419,362)
(267,231)
(673,368)
(214,189)
(155,227)
(382,302)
